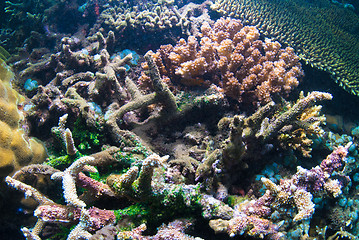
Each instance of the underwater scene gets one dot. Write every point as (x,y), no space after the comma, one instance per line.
(178,119)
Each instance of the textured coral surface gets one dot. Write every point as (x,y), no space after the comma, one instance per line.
(16,148)
(322,34)
(231,56)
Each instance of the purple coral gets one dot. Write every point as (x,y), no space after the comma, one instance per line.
(335,160)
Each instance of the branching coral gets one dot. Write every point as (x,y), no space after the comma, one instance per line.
(73,78)
(172,231)
(231,56)
(252,217)
(152,17)
(135,183)
(162,95)
(299,189)
(48,212)
(321,33)
(204,177)
(247,135)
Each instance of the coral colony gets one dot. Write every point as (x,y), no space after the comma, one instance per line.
(163,120)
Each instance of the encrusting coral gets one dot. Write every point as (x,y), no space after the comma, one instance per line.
(16,148)
(232,57)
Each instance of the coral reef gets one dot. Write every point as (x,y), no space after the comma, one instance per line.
(319,32)
(231,56)
(138,22)
(145,182)
(49,212)
(208,137)
(172,231)
(250,217)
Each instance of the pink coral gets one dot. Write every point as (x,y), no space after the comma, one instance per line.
(251,217)
(335,160)
(300,189)
(59,213)
(231,56)
(173,231)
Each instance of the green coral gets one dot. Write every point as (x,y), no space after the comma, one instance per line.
(156,201)
(171,202)
(135,184)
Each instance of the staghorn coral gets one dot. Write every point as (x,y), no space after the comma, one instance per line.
(65,136)
(17,149)
(86,82)
(136,183)
(92,219)
(142,184)
(322,34)
(73,81)
(245,136)
(88,77)
(308,125)
(49,212)
(161,95)
(74,212)
(297,135)
(231,56)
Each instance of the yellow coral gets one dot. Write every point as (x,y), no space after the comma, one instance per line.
(5,135)
(308,125)
(7,161)
(16,150)
(305,206)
